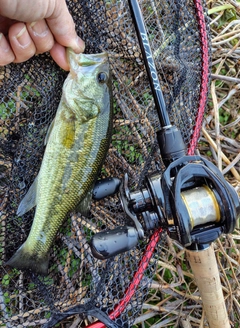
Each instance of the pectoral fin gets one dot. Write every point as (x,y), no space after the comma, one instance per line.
(84,206)
(29,200)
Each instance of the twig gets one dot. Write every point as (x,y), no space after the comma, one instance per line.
(234,22)
(224,157)
(178,313)
(202,320)
(75,323)
(219,37)
(234,48)
(230,94)
(214,155)
(175,292)
(232,124)
(213,21)
(145,316)
(230,261)
(226,41)
(217,129)
(162,264)
(225,78)
(228,140)
(185,323)
(165,322)
(236,5)
(232,164)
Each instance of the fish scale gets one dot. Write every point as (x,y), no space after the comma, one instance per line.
(77,144)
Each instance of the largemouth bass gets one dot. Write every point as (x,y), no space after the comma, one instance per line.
(77,143)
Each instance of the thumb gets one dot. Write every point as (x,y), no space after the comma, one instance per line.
(63,28)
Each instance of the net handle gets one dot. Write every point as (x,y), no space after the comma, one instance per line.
(206,275)
(204,85)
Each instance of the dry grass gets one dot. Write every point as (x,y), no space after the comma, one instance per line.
(174,300)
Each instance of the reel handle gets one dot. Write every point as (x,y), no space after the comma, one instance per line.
(109,243)
(105,187)
(206,275)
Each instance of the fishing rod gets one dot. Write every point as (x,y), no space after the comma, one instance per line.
(169,137)
(191,200)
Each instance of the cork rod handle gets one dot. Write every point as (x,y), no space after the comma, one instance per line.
(206,274)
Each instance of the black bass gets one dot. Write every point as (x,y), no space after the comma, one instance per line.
(77,144)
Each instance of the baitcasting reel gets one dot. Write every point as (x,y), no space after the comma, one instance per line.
(191,200)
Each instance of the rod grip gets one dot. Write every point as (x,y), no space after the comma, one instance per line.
(206,274)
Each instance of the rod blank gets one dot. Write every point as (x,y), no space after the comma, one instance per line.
(149,63)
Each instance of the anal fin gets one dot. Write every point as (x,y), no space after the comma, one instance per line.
(84,206)
(29,200)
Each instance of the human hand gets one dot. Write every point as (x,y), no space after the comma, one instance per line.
(30,27)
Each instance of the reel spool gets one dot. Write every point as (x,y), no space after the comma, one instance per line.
(191,200)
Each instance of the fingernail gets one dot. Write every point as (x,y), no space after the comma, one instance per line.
(80,45)
(23,38)
(39,28)
(4,44)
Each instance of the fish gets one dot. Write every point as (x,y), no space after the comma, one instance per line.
(77,142)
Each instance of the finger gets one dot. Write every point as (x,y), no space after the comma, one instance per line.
(41,35)
(21,43)
(58,53)
(6,53)
(63,28)
(5,24)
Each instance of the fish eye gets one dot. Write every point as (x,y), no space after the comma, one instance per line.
(102,77)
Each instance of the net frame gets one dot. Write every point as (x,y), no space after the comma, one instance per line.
(93,44)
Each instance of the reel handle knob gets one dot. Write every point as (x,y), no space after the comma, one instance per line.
(109,243)
(105,187)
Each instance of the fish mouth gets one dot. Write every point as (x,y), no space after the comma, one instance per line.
(86,60)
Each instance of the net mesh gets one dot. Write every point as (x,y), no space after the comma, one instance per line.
(78,284)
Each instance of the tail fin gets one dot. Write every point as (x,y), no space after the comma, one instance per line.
(25,260)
